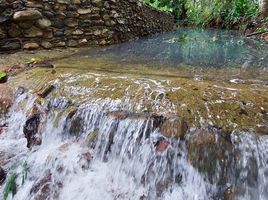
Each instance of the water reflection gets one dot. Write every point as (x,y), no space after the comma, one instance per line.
(197,48)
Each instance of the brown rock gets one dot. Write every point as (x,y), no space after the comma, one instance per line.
(5,98)
(2,34)
(14,31)
(71,23)
(45,91)
(72,43)
(33,32)
(31,46)
(78,32)
(25,24)
(174,128)
(46,45)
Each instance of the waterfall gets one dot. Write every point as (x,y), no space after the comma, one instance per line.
(90,152)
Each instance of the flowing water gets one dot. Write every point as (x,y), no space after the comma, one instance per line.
(89,146)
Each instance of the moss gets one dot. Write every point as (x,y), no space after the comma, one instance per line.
(213,100)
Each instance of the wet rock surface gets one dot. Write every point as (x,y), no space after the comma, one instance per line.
(5,98)
(2,176)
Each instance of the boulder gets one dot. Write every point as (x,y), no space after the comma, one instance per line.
(29,14)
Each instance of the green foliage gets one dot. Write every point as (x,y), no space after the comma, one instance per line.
(224,13)
(24,172)
(10,187)
(2,75)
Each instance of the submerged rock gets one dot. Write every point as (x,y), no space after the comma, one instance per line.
(2,176)
(174,127)
(42,186)
(44,92)
(31,130)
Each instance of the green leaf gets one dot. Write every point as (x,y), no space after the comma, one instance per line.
(10,187)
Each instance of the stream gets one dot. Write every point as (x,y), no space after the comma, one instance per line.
(178,116)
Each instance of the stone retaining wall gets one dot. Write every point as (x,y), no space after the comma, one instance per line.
(32,24)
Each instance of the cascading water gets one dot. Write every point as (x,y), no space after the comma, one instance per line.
(181,116)
(94,153)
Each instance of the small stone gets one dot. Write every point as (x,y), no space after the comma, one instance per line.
(11,45)
(72,43)
(58,23)
(76,1)
(266,38)
(44,92)
(48,14)
(43,23)
(31,46)
(59,33)
(48,34)
(78,32)
(3,19)
(84,11)
(106,17)
(46,45)
(97,33)
(33,32)
(60,44)
(97,3)
(29,14)
(14,31)
(26,24)
(64,1)
(83,41)
(2,34)
(44,64)
(71,23)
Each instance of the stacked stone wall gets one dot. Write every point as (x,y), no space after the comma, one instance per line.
(33,24)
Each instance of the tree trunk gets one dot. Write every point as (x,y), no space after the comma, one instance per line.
(264,7)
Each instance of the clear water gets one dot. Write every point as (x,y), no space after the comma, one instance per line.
(207,48)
